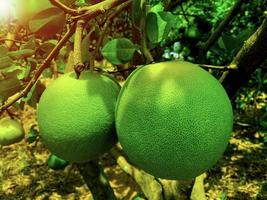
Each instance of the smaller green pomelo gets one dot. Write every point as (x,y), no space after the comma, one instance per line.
(76,116)
(56,163)
(11,131)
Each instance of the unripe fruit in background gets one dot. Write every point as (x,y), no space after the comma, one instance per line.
(173,119)
(11,131)
(56,163)
(76,116)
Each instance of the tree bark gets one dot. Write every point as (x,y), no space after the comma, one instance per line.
(248,59)
(96,180)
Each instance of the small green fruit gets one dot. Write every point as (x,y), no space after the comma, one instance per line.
(76,116)
(56,163)
(11,131)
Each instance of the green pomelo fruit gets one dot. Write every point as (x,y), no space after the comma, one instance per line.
(56,163)
(11,131)
(173,119)
(76,116)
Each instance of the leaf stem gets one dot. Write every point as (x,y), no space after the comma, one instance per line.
(77,54)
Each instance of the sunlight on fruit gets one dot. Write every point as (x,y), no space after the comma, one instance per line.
(5,8)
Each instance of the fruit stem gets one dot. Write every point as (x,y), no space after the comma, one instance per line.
(77,53)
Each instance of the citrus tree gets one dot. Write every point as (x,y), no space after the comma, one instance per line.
(149,82)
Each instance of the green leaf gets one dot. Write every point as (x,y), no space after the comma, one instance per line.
(25,71)
(32,135)
(158,25)
(30,44)
(233,44)
(263,124)
(46,48)
(48,22)
(24,53)
(10,84)
(223,196)
(119,51)
(3,51)
(157,8)
(22,72)
(192,32)
(36,94)
(5,62)
(29,95)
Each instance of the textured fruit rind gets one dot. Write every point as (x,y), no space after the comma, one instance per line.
(76,116)
(173,119)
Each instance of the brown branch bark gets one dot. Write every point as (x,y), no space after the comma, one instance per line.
(218,31)
(153,188)
(42,67)
(247,60)
(198,192)
(65,8)
(90,12)
(96,180)
(148,184)
(175,190)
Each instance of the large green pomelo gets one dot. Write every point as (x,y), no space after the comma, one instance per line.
(76,116)
(173,119)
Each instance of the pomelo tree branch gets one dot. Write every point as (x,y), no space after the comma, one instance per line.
(91,12)
(96,180)
(39,71)
(204,47)
(252,54)
(151,188)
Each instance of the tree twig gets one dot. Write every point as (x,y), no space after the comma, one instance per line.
(90,12)
(42,67)
(65,8)
(227,67)
(12,40)
(109,21)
